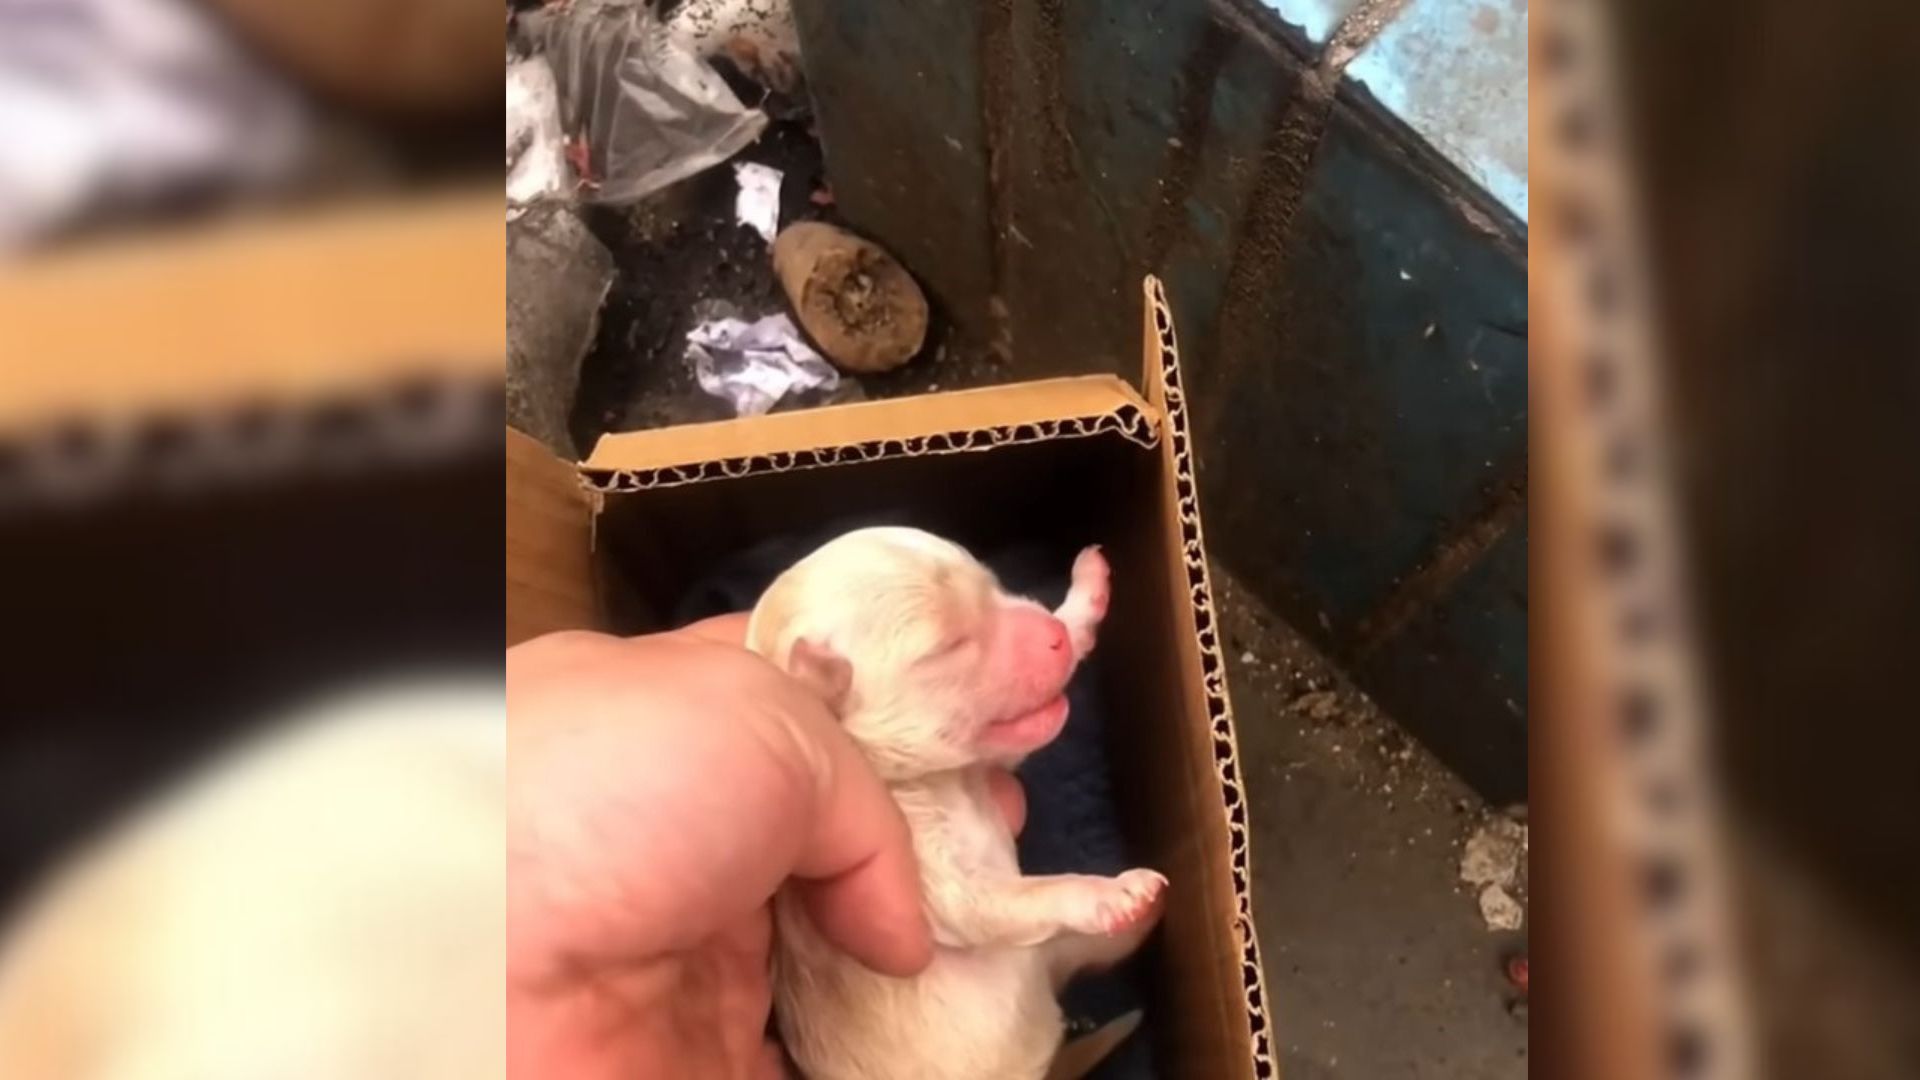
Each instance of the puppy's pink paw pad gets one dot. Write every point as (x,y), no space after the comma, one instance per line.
(1134,895)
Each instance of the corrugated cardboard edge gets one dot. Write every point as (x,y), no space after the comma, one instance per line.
(278,310)
(1163,382)
(379,428)
(1627,1014)
(953,423)
(550,577)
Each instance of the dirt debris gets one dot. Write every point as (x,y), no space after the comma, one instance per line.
(1500,909)
(682,247)
(1334,717)
(1337,722)
(1494,861)
(1494,852)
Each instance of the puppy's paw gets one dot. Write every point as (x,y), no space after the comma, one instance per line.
(1126,901)
(1086,602)
(1092,582)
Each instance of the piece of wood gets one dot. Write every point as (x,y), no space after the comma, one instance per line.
(856,302)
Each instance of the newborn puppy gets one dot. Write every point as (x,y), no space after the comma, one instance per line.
(938,675)
(324,902)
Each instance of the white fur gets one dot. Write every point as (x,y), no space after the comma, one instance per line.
(883,599)
(328,902)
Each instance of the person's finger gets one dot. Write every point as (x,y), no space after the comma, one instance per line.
(860,881)
(1009,797)
(725,629)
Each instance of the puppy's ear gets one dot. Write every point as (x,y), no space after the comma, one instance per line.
(824,671)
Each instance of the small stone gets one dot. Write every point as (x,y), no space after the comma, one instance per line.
(1501,910)
(1246,657)
(1319,705)
(1493,853)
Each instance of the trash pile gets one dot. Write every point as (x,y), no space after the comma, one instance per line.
(618,117)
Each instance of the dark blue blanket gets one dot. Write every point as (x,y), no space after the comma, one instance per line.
(1073,824)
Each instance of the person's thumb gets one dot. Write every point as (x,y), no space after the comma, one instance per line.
(858,876)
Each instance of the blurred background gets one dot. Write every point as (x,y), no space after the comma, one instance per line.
(251,364)
(1727,571)
(250,370)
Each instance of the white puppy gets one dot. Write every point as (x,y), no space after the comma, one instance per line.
(938,675)
(328,902)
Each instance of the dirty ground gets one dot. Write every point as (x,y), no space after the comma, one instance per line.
(683,247)
(1378,960)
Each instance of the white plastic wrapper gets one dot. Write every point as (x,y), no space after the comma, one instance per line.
(649,110)
(111,102)
(758,204)
(753,365)
(536,147)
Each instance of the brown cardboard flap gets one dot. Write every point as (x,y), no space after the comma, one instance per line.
(998,413)
(549,544)
(1214,773)
(273,311)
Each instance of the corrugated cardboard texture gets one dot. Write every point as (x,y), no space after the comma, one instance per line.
(549,530)
(1075,460)
(1199,649)
(261,312)
(1624,1015)
(931,424)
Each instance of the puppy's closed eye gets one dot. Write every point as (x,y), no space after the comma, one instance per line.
(948,647)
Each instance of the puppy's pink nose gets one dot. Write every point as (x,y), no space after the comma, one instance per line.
(1056,635)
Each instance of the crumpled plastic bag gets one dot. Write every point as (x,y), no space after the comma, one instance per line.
(649,111)
(753,365)
(536,147)
(111,104)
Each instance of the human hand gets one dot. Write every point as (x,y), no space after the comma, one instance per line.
(660,790)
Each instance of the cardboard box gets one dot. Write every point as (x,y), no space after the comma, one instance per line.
(609,543)
(280,310)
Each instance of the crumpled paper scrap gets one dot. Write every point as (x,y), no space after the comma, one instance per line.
(753,365)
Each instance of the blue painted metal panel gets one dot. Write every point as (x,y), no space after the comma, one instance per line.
(1252,87)
(1456,72)
(1316,18)
(901,124)
(1456,677)
(1383,402)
